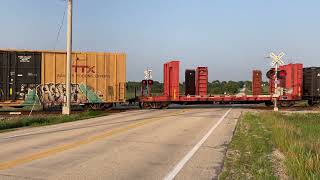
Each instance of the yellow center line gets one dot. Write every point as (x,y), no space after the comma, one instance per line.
(64,147)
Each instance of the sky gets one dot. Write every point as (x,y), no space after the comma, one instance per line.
(230,37)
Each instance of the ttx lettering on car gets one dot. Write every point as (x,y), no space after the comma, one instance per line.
(83,68)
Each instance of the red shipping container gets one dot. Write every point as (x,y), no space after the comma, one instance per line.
(292,83)
(171,79)
(256,82)
(202,81)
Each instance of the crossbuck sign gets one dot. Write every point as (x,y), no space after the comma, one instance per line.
(148,74)
(276,59)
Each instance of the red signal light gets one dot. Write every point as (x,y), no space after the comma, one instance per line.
(144,82)
(150,82)
(270,74)
(281,74)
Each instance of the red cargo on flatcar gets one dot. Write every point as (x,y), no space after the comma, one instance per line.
(171,79)
(256,82)
(202,81)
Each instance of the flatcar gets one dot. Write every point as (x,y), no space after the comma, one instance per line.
(296,84)
(38,77)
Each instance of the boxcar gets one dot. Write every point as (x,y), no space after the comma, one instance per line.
(311,85)
(38,77)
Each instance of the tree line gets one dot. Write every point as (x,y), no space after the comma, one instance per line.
(214,87)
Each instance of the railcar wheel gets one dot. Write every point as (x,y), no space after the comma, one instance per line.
(145,105)
(286,103)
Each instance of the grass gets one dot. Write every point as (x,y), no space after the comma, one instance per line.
(296,136)
(42,120)
(248,153)
(265,91)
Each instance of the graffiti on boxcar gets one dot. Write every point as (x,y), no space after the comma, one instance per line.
(54,94)
(26,91)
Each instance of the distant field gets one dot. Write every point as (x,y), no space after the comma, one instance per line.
(265,90)
(274,146)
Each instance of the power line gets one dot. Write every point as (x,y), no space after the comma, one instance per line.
(60,26)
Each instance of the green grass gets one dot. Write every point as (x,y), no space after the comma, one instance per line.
(296,136)
(265,91)
(42,120)
(248,153)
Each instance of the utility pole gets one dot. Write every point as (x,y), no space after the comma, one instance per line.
(66,110)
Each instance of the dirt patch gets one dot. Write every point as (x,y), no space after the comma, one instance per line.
(278,159)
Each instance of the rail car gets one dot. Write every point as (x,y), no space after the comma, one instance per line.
(297,84)
(38,77)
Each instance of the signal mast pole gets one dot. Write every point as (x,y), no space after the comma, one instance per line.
(66,110)
(275,108)
(276,61)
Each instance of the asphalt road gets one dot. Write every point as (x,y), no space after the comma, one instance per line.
(142,144)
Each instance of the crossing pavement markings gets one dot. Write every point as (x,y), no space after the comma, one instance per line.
(187,157)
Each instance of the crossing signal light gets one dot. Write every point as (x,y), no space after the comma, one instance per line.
(270,74)
(150,82)
(281,74)
(144,83)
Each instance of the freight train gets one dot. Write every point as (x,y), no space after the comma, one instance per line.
(295,84)
(38,77)
(29,78)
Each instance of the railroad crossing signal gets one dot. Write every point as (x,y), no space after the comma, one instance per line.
(148,74)
(276,59)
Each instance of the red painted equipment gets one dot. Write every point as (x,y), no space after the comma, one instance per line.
(256,82)
(291,84)
(202,81)
(171,79)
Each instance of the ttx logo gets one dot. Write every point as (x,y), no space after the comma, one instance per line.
(87,69)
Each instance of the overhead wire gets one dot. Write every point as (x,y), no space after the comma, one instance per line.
(61,25)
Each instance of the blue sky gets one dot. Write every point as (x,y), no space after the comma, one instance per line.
(231,37)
